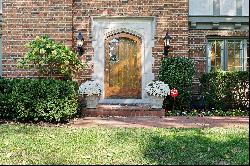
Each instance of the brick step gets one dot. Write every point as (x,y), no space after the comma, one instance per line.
(123,111)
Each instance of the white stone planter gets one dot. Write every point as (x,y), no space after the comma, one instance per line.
(156,102)
(92,101)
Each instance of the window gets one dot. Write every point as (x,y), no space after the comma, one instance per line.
(1,6)
(219,7)
(245,7)
(227,54)
(228,7)
(200,7)
(247,55)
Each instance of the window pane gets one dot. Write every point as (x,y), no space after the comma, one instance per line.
(238,56)
(215,55)
(235,55)
(200,7)
(245,7)
(1,6)
(228,7)
(230,58)
(247,55)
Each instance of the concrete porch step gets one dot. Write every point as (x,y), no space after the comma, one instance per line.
(104,110)
(124,102)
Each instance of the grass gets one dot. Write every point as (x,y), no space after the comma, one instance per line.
(32,144)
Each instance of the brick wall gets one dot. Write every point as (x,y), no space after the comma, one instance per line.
(23,20)
(197,51)
(170,14)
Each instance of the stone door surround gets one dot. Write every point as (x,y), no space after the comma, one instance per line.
(142,27)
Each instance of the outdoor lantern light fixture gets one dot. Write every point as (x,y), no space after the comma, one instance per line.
(79,42)
(167,40)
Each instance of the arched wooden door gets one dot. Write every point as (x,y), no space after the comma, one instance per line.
(122,67)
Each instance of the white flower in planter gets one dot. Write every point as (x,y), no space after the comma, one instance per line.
(158,89)
(90,88)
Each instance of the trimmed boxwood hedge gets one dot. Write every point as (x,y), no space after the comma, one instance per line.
(226,90)
(178,72)
(38,99)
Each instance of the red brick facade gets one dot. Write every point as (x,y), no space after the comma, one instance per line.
(64,19)
(24,20)
(171,15)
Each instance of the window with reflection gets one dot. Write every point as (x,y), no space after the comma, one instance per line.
(215,48)
(113,50)
(218,7)
(235,55)
(227,55)
(248,55)
(1,10)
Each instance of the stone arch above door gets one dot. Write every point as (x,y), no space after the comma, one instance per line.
(143,27)
(123,30)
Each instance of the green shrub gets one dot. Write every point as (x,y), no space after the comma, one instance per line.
(6,99)
(225,90)
(38,99)
(51,58)
(178,73)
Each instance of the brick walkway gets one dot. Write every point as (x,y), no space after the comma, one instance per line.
(168,122)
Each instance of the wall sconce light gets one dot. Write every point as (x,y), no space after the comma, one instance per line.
(79,43)
(167,40)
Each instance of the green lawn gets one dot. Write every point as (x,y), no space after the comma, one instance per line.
(23,144)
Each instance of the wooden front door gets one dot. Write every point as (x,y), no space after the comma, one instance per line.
(122,67)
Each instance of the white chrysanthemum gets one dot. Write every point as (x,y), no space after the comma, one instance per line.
(158,88)
(90,88)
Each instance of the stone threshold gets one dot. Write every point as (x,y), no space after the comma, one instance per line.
(123,111)
(124,102)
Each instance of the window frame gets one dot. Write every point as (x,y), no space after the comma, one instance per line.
(225,40)
(1,7)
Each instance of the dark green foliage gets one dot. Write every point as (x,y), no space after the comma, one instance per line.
(178,73)
(38,99)
(226,90)
(6,99)
(51,58)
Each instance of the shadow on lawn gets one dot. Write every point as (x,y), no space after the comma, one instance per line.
(196,150)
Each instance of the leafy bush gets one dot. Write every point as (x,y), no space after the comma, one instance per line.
(38,100)
(178,73)
(226,90)
(6,99)
(51,58)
